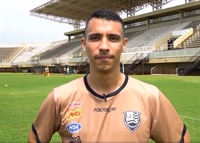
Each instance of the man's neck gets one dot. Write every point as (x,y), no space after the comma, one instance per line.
(105,83)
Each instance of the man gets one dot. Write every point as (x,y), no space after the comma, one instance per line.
(106,105)
(65,70)
(47,71)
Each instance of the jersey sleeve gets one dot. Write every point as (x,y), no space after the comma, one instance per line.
(47,121)
(167,126)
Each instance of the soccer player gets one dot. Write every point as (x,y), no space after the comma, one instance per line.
(47,71)
(65,70)
(105,105)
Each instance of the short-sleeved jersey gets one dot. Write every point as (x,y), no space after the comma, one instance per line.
(134,113)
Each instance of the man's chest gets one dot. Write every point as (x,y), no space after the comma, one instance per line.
(116,121)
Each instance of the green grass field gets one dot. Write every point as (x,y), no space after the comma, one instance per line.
(21,99)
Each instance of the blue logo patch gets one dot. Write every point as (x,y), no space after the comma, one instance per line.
(74,127)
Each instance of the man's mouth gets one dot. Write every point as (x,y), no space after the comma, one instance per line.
(104,58)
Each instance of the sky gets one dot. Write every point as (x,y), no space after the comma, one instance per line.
(18,26)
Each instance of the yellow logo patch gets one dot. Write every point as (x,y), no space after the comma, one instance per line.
(74,114)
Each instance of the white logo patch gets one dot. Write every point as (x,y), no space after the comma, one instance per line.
(132,120)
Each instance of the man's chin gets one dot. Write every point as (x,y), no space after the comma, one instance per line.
(104,68)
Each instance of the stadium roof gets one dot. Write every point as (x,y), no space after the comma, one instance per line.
(155,14)
(76,11)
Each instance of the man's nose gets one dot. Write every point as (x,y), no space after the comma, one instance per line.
(104,45)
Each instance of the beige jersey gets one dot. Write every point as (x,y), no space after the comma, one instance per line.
(134,113)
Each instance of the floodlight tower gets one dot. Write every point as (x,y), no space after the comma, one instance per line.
(157,4)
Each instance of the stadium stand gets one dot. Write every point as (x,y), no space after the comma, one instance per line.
(132,35)
(58,50)
(5,53)
(193,41)
(70,54)
(165,41)
(150,36)
(193,24)
(78,53)
(15,54)
(29,50)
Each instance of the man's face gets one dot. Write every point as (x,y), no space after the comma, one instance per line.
(104,42)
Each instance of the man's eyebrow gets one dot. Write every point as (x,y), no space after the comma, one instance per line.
(94,34)
(118,35)
(110,35)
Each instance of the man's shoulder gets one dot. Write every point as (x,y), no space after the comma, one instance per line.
(69,88)
(138,81)
(141,86)
(72,84)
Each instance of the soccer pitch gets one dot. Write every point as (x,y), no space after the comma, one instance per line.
(24,93)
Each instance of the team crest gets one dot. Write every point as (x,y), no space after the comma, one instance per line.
(132,120)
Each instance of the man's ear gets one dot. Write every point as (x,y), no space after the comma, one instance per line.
(83,43)
(124,44)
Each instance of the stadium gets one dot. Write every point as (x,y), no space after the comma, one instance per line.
(164,41)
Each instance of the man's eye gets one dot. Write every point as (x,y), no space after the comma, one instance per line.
(114,38)
(94,38)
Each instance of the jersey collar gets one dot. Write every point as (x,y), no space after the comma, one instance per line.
(104,96)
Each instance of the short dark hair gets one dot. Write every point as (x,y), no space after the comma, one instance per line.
(106,14)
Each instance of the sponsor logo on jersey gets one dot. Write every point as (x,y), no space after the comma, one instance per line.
(105,109)
(132,120)
(74,127)
(75,104)
(75,140)
(74,114)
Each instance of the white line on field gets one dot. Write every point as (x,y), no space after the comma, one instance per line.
(190,118)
